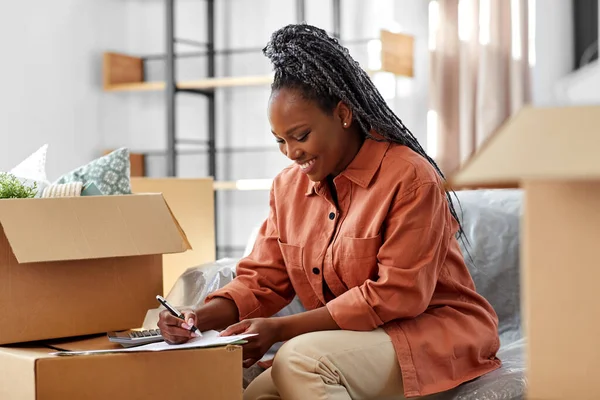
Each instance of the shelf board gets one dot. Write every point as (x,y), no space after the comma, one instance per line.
(125,73)
(201,84)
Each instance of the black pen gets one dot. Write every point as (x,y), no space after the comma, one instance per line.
(176,313)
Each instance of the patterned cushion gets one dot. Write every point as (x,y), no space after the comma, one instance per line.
(110,173)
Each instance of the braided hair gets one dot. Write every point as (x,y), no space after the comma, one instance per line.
(307,59)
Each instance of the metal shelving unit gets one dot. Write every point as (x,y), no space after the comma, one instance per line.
(172,88)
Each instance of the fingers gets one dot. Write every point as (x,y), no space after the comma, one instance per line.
(175,335)
(236,329)
(173,329)
(169,320)
(171,339)
(190,320)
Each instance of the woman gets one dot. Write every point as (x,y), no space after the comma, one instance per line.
(362,230)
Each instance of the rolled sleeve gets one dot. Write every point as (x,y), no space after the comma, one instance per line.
(409,262)
(352,311)
(262,286)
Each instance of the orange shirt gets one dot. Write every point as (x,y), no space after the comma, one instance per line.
(390,258)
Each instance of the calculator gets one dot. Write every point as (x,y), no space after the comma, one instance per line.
(132,338)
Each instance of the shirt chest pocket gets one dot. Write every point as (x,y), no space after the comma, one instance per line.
(292,255)
(294,264)
(357,259)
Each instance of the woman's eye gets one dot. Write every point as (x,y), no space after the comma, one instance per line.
(279,141)
(303,137)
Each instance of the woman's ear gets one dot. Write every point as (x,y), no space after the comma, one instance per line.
(344,114)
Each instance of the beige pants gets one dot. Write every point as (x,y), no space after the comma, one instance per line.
(331,365)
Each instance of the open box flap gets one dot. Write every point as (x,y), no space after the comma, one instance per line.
(553,143)
(76,228)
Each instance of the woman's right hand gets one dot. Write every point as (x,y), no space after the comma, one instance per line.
(175,330)
(218,313)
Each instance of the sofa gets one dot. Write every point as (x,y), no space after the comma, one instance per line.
(491,221)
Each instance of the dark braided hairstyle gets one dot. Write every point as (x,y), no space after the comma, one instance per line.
(307,59)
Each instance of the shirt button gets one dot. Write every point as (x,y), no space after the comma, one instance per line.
(316,271)
(331,216)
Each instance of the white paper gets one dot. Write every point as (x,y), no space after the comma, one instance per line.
(208,339)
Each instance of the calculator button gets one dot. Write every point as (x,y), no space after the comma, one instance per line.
(132,334)
(146,333)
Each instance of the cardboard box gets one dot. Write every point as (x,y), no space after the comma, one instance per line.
(82,265)
(553,153)
(192,204)
(32,373)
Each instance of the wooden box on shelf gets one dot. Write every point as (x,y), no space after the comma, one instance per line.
(397,53)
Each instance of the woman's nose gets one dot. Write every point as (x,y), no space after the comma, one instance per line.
(296,154)
(293,153)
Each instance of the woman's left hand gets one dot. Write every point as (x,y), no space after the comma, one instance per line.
(268,331)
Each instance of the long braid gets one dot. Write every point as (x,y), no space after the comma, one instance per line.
(306,58)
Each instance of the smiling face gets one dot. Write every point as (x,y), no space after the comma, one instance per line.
(321,143)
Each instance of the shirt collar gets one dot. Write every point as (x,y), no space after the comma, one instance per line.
(362,168)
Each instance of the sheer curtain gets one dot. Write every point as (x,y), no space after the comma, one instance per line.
(481,53)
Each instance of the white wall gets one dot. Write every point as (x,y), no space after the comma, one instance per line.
(51,72)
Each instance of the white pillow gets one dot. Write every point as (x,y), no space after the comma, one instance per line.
(33,170)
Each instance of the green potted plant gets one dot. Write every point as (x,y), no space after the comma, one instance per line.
(12,188)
